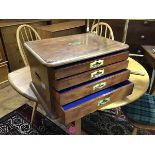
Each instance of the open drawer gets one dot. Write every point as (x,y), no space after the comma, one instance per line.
(76,92)
(79,108)
(90,64)
(89,75)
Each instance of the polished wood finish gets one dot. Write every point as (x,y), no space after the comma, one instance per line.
(87,89)
(92,105)
(84,66)
(48,55)
(68,49)
(86,76)
(3,72)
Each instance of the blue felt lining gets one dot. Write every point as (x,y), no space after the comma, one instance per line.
(89,97)
(91,81)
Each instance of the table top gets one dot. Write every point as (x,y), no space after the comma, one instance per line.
(59,51)
(141,84)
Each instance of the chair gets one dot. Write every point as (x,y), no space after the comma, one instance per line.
(21,78)
(141,113)
(103,29)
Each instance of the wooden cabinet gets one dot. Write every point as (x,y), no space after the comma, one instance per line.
(79,74)
(3,65)
(60,28)
(8,33)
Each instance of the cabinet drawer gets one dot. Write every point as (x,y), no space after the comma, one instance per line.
(3,72)
(0,56)
(74,93)
(79,108)
(89,64)
(90,75)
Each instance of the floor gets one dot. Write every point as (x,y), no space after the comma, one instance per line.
(11,100)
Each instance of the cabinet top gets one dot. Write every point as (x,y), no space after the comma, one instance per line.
(67,49)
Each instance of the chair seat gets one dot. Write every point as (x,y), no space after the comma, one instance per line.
(142,111)
(20,81)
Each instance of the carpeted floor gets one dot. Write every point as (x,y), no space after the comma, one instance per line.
(97,123)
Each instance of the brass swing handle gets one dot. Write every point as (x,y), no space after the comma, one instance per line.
(97,73)
(96,63)
(103,101)
(99,85)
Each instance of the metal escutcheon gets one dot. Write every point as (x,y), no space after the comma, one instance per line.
(97,73)
(103,101)
(96,63)
(99,85)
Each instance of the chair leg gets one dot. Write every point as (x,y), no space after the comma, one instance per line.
(34,112)
(152,81)
(78,127)
(118,112)
(134,132)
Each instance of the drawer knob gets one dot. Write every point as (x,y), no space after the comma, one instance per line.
(145,22)
(96,63)
(97,73)
(142,37)
(103,101)
(99,85)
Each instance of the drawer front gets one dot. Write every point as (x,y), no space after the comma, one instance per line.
(89,65)
(75,93)
(90,75)
(9,32)
(91,103)
(142,31)
(14,57)
(3,72)
(0,56)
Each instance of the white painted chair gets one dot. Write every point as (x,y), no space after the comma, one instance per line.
(25,33)
(21,78)
(103,29)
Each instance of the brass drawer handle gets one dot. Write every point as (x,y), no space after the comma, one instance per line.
(96,63)
(97,73)
(99,85)
(103,101)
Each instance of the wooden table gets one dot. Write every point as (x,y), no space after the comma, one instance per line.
(141,84)
(149,54)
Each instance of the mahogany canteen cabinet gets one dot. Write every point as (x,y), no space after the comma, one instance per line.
(79,74)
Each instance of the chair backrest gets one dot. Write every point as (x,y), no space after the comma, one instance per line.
(25,33)
(103,29)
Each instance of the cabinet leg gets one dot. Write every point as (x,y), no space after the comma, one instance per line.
(78,127)
(152,80)
(134,132)
(34,110)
